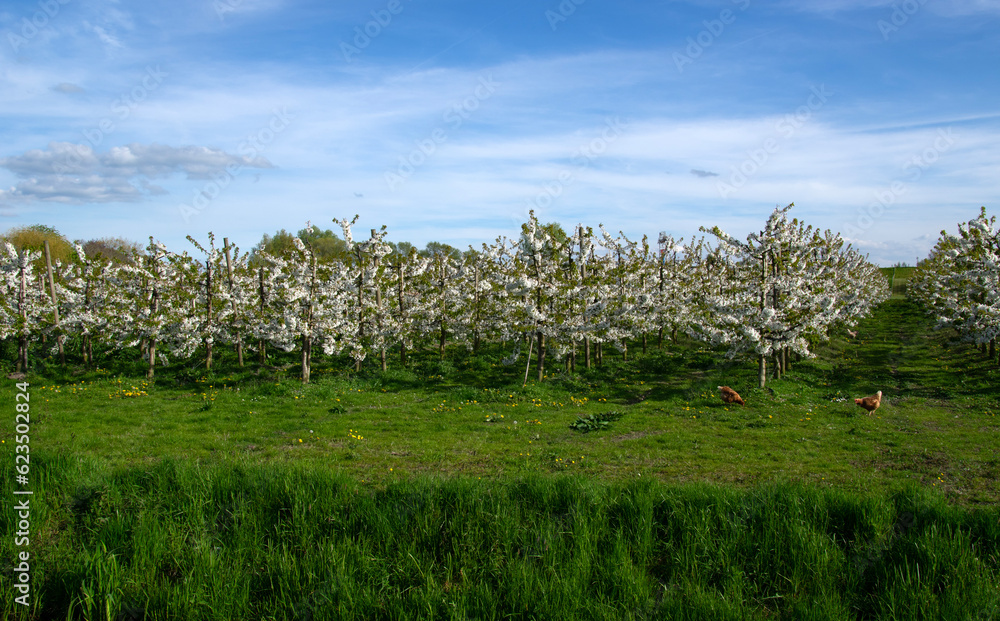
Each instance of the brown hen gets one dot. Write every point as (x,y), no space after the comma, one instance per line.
(870,403)
(730,396)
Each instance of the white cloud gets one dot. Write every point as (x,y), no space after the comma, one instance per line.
(74,173)
(66,87)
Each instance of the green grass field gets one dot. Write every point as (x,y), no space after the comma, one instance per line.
(447,491)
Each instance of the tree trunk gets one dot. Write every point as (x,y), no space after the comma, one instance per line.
(306,357)
(541,356)
(152,359)
(762,370)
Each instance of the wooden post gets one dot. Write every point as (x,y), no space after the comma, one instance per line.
(361,314)
(402,314)
(476,315)
(378,303)
(55,304)
(762,363)
(22,297)
(443,335)
(208,313)
(262,294)
(88,352)
(583,279)
(659,336)
(229,273)
(307,336)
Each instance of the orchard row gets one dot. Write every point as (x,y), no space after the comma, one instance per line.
(960,281)
(556,296)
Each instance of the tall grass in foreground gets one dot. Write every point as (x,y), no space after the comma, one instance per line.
(242,541)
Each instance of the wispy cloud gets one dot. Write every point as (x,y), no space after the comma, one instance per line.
(703,173)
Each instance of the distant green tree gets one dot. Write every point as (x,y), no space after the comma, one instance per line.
(434,248)
(324,244)
(279,244)
(33,237)
(115,249)
(402,248)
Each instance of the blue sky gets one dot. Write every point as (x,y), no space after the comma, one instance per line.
(448,120)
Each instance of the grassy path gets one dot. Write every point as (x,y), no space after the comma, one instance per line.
(939,403)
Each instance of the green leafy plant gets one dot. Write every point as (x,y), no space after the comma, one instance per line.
(595,422)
